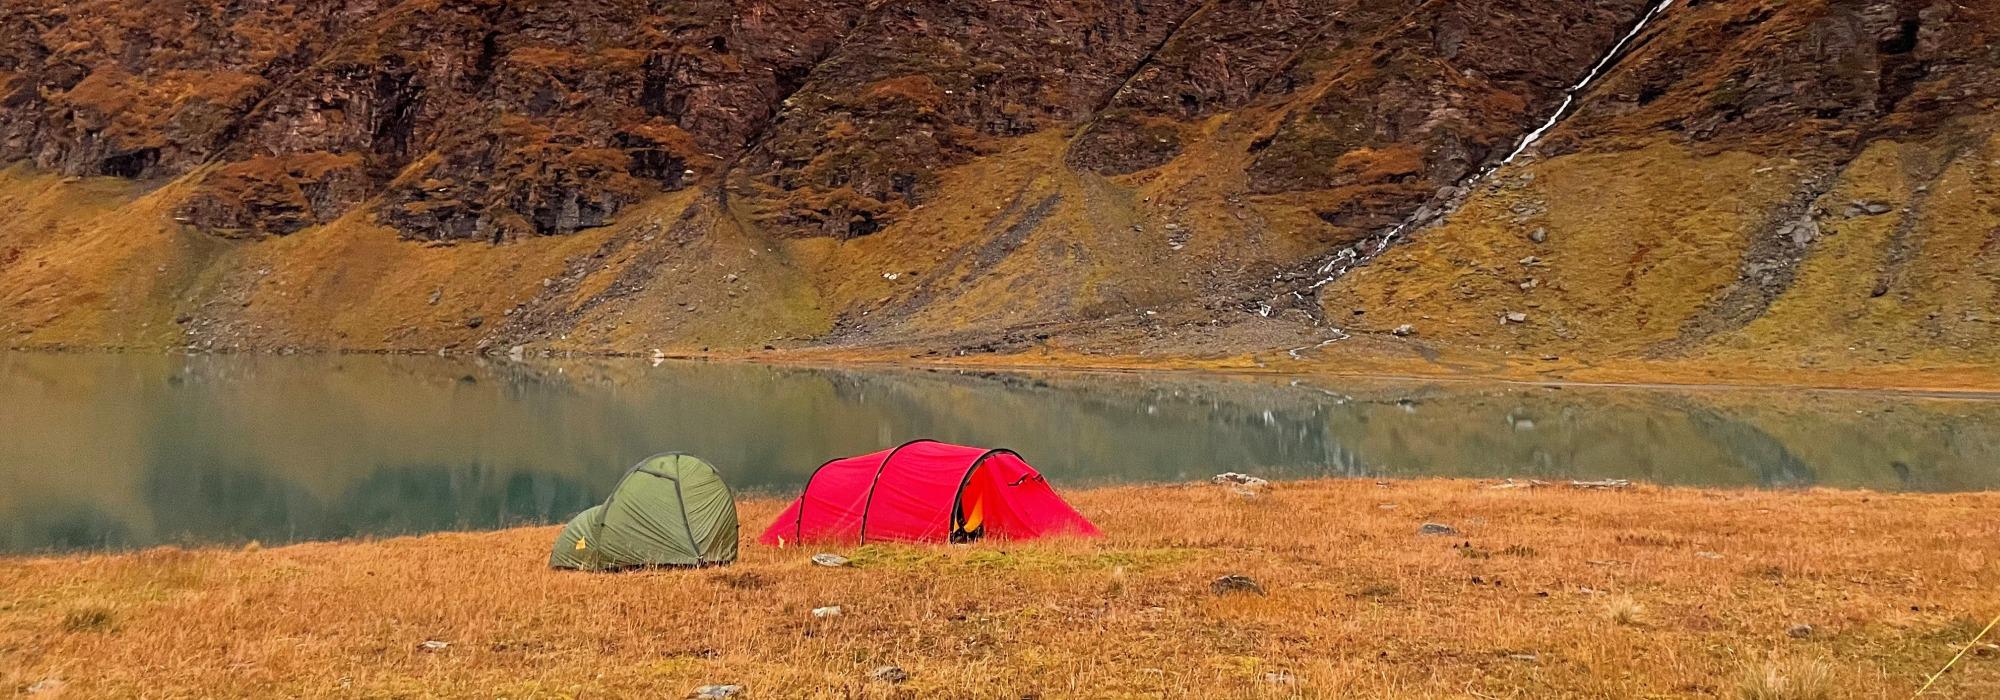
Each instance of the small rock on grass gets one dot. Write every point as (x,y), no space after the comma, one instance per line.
(828,559)
(1280,678)
(826,612)
(46,686)
(1233,478)
(1799,631)
(1440,529)
(889,674)
(713,692)
(433,645)
(1235,583)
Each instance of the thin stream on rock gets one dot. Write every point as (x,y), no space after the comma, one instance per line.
(1350,257)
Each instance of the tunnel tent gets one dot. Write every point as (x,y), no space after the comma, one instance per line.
(669,510)
(926,491)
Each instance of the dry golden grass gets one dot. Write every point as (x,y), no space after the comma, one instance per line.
(1794,680)
(1358,604)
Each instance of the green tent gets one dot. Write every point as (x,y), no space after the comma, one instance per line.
(669,510)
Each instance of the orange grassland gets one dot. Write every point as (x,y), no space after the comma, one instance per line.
(1549,592)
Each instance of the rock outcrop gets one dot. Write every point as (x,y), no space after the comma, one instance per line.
(489,120)
(471,119)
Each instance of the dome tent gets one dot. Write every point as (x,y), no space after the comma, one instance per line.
(926,491)
(669,510)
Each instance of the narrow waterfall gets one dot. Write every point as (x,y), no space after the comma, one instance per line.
(1597,71)
(1448,199)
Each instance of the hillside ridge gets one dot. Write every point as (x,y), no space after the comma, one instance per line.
(1801,185)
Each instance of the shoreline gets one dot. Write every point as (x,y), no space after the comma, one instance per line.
(1552,591)
(1687,379)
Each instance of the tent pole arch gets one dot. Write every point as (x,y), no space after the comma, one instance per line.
(958,497)
(685,525)
(629,471)
(726,488)
(869,502)
(799,515)
(678,496)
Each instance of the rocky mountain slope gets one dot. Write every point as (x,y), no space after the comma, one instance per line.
(1804,183)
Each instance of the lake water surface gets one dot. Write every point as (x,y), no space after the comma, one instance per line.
(116,451)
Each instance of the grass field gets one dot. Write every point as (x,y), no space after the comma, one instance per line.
(1547,592)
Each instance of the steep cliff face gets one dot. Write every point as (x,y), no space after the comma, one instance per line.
(471,119)
(626,174)
(489,120)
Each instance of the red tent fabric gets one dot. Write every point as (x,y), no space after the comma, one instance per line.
(926,491)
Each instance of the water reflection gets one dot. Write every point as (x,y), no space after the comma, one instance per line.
(108,451)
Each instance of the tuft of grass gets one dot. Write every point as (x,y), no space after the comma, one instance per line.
(744,580)
(1797,679)
(89,618)
(1625,611)
(1649,539)
(1376,590)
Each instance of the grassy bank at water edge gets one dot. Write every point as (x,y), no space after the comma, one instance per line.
(1544,592)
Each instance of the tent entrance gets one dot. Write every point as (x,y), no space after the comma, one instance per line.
(970,507)
(968,515)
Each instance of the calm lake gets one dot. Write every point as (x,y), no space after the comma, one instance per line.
(117,451)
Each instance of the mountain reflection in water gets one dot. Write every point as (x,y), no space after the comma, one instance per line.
(114,451)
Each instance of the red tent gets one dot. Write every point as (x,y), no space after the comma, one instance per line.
(926,491)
